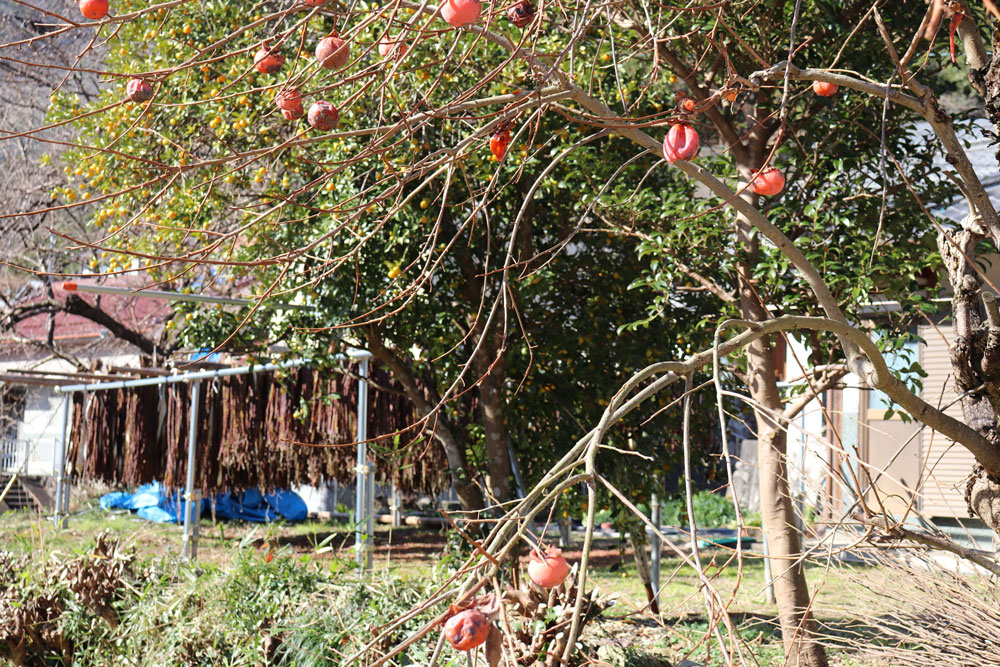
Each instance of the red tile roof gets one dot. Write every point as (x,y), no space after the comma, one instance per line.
(133,311)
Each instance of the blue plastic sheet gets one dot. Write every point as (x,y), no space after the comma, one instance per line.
(151,502)
(252,505)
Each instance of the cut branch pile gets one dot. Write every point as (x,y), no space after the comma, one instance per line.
(539,620)
(33,629)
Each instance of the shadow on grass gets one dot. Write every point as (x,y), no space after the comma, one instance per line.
(406,542)
(761,634)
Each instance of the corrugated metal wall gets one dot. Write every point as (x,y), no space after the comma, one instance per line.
(946,465)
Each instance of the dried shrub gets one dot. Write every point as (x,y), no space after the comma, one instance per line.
(98,579)
(37,601)
(933,613)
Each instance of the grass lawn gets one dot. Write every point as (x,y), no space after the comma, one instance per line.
(412,551)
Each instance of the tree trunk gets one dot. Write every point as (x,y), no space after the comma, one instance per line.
(975,359)
(461,476)
(468,493)
(791,591)
(975,354)
(777,513)
(991,83)
(491,405)
(490,367)
(489,364)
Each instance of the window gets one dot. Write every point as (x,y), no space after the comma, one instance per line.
(904,362)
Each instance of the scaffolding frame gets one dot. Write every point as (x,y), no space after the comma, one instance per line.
(364,510)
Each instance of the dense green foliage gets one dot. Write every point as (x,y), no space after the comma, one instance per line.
(292,610)
(711,510)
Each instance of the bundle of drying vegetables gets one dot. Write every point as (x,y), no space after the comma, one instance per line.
(255,430)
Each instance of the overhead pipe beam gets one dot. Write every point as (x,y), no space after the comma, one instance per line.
(353,355)
(91,288)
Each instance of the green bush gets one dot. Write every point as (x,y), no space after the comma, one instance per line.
(711,510)
(294,610)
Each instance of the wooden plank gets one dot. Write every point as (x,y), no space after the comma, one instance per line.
(181,368)
(66,374)
(159,372)
(10,378)
(37,492)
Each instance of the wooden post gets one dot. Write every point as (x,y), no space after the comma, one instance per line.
(642,568)
(394,508)
(654,549)
(565,532)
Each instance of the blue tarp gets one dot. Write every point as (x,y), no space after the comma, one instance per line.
(252,505)
(151,502)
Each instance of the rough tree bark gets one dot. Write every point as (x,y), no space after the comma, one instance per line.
(975,358)
(975,353)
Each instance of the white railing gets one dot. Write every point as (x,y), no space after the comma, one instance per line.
(14,455)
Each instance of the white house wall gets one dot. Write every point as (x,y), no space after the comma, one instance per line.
(41,426)
(807,447)
(947,465)
(41,429)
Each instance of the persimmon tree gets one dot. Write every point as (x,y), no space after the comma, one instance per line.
(453,140)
